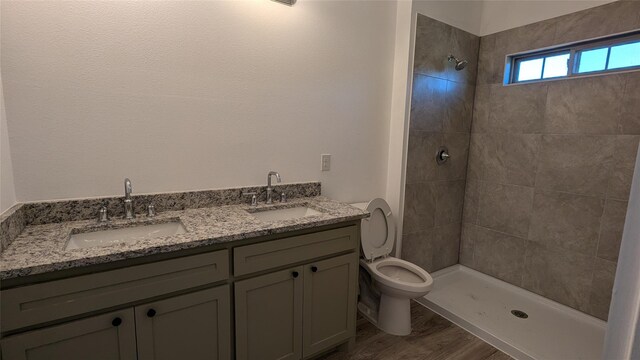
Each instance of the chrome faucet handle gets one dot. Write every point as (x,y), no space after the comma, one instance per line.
(151,210)
(103,215)
(442,155)
(283,198)
(254,197)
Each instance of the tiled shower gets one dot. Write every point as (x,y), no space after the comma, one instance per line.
(536,189)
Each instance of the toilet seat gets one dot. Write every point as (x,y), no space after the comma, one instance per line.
(378,230)
(400,275)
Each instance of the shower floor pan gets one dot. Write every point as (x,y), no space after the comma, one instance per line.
(483,306)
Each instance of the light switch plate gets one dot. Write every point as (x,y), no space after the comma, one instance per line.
(326,162)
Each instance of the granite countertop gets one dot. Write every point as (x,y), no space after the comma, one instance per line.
(41,248)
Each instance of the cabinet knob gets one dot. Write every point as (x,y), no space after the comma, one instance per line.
(116,322)
(294,274)
(151,313)
(314,268)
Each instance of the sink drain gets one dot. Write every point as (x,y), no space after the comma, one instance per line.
(519,314)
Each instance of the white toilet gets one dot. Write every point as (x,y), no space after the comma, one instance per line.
(397,281)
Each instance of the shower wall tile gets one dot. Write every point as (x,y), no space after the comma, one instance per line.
(428,103)
(490,61)
(517,109)
(417,248)
(432,47)
(481,109)
(435,41)
(617,17)
(620,183)
(441,115)
(567,221)
(630,109)
(471,201)
(482,148)
(528,37)
(604,273)
(611,229)
(467,245)
(421,157)
(456,167)
(495,47)
(562,276)
(449,201)
(584,106)
(505,208)
(420,207)
(421,166)
(516,159)
(626,150)
(433,249)
(464,46)
(475,165)
(551,164)
(446,246)
(505,158)
(624,159)
(579,164)
(459,107)
(494,253)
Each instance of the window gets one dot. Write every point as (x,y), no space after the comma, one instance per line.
(608,58)
(542,67)
(614,54)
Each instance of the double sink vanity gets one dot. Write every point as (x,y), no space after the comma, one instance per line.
(209,276)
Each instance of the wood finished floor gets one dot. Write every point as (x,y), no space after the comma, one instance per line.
(433,338)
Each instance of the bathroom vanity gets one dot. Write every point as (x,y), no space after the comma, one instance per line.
(246,289)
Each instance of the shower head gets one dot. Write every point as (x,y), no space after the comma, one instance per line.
(459,64)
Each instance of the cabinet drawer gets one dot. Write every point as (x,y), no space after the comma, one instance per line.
(271,254)
(33,304)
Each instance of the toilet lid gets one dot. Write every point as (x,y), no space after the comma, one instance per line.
(378,230)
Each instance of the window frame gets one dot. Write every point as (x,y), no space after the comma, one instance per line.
(575,51)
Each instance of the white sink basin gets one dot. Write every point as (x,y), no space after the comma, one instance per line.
(124,235)
(285,214)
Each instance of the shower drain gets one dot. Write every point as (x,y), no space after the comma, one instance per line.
(519,314)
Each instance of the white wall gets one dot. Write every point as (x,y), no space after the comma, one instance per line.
(463,14)
(7,188)
(196,95)
(399,114)
(499,15)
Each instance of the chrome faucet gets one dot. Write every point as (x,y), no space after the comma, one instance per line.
(128,203)
(269,188)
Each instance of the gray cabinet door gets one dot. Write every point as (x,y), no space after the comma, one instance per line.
(104,337)
(329,302)
(269,316)
(193,326)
